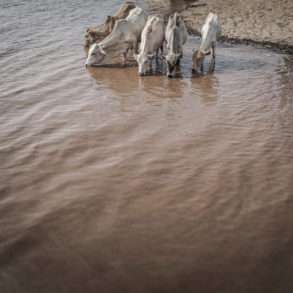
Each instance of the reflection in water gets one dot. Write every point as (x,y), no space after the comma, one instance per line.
(206,88)
(120,80)
(127,82)
(111,182)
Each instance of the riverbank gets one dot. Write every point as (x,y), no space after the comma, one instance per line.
(268,23)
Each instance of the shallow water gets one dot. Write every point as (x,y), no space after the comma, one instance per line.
(114,183)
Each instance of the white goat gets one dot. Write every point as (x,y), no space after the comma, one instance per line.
(152,40)
(176,36)
(124,37)
(210,32)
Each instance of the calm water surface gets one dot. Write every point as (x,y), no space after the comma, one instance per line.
(114,183)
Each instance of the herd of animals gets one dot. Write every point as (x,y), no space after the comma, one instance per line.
(147,38)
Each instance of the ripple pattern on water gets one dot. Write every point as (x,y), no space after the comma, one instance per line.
(111,182)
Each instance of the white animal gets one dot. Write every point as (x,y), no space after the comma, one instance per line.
(210,32)
(152,39)
(176,36)
(125,36)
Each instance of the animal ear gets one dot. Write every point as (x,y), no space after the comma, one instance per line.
(102,51)
(201,54)
(198,54)
(108,18)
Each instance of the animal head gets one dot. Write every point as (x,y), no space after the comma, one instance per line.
(96,55)
(144,63)
(89,37)
(109,23)
(125,9)
(93,35)
(197,60)
(172,60)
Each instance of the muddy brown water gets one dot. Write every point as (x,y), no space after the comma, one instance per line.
(114,183)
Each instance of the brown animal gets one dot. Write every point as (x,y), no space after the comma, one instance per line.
(97,34)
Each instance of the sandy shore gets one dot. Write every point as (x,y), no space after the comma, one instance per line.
(265,22)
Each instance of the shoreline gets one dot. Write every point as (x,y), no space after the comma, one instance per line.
(268,24)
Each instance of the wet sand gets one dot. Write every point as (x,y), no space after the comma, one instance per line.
(268,23)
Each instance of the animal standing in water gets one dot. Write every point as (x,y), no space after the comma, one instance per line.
(210,32)
(152,40)
(176,36)
(124,37)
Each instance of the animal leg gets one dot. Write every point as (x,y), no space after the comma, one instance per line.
(132,48)
(201,66)
(213,61)
(193,66)
(124,57)
(135,47)
(194,62)
(162,49)
(156,60)
(151,66)
(157,55)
